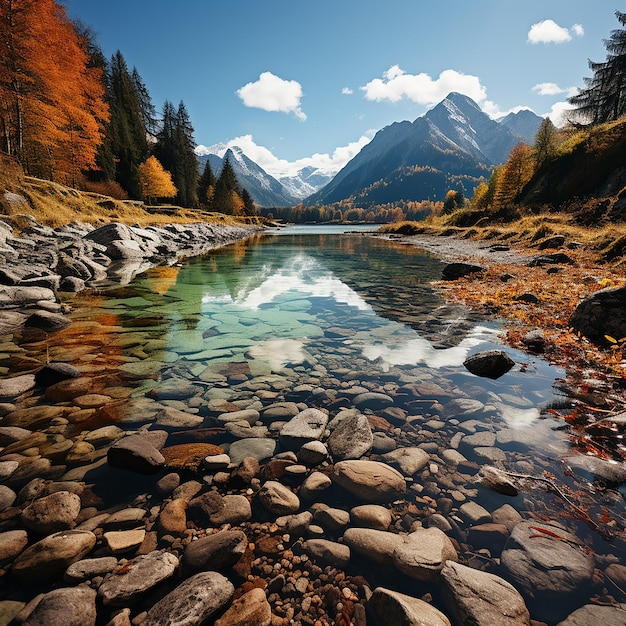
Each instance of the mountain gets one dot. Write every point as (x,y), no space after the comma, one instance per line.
(266,190)
(524,123)
(453,146)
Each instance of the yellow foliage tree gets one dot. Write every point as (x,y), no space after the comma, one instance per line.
(517,171)
(155,181)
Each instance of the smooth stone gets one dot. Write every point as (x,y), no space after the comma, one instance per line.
(47,559)
(331,552)
(595,614)
(332,519)
(377,545)
(16,386)
(372,400)
(216,551)
(236,509)
(297,524)
(314,484)
(47,321)
(481,598)
(173,418)
(54,372)
(423,554)
(89,568)
(352,439)
(7,497)
(473,513)
(216,462)
(246,415)
(308,425)
(193,602)
(137,454)
(126,519)
(243,430)
(251,609)
(260,449)
(546,569)
(369,480)
(458,269)
(489,363)
(52,513)
(12,544)
(172,519)
(70,606)
(507,516)
(122,541)
(278,498)
(408,460)
(371,516)
(497,480)
(139,576)
(11,434)
(103,436)
(398,609)
(313,453)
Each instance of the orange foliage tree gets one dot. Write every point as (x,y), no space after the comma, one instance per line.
(52,108)
(155,181)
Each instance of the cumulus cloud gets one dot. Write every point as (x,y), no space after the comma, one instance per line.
(548,31)
(552,89)
(422,88)
(558,113)
(347,91)
(276,167)
(272,93)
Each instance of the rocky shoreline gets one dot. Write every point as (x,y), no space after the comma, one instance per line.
(152,494)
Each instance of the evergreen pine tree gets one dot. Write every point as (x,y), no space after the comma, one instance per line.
(148,111)
(604,97)
(206,185)
(248,203)
(227,190)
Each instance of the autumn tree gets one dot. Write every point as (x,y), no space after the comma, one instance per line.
(454,200)
(52,109)
(155,181)
(227,197)
(516,172)
(604,97)
(545,142)
(249,207)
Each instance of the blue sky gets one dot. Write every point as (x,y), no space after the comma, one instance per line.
(297,83)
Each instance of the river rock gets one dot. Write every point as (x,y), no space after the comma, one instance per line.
(47,559)
(398,609)
(496,480)
(19,296)
(47,321)
(489,363)
(89,568)
(372,481)
(454,271)
(313,485)
(251,609)
(546,569)
(52,513)
(372,400)
(331,552)
(332,519)
(601,313)
(216,551)
(371,516)
(126,586)
(481,598)
(7,495)
(71,606)
(351,439)
(260,449)
(595,614)
(137,454)
(423,553)
(172,519)
(123,541)
(313,453)
(408,460)
(308,425)
(16,385)
(377,545)
(278,498)
(245,415)
(12,543)
(193,602)
(173,418)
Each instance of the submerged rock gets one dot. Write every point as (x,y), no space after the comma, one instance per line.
(489,363)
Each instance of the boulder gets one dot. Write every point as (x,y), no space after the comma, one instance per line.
(351,439)
(16,296)
(53,373)
(16,386)
(454,271)
(251,609)
(308,425)
(601,314)
(278,498)
(45,320)
(481,598)
(596,614)
(216,551)
(377,545)
(328,552)
(489,363)
(407,460)
(423,554)
(137,454)
(72,606)
(52,513)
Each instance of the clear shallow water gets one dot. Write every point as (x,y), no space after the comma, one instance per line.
(308,314)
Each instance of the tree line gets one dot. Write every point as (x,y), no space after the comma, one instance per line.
(70,115)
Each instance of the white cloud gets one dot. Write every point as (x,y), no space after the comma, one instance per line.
(495,112)
(558,113)
(347,91)
(272,93)
(422,88)
(548,31)
(281,167)
(552,89)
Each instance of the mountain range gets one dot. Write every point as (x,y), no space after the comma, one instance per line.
(455,145)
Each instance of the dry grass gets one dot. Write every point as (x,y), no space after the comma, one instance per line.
(54,205)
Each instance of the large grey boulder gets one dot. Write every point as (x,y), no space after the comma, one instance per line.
(371,481)
(423,554)
(52,513)
(72,606)
(548,565)
(398,609)
(600,314)
(351,439)
(481,598)
(596,614)
(308,425)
